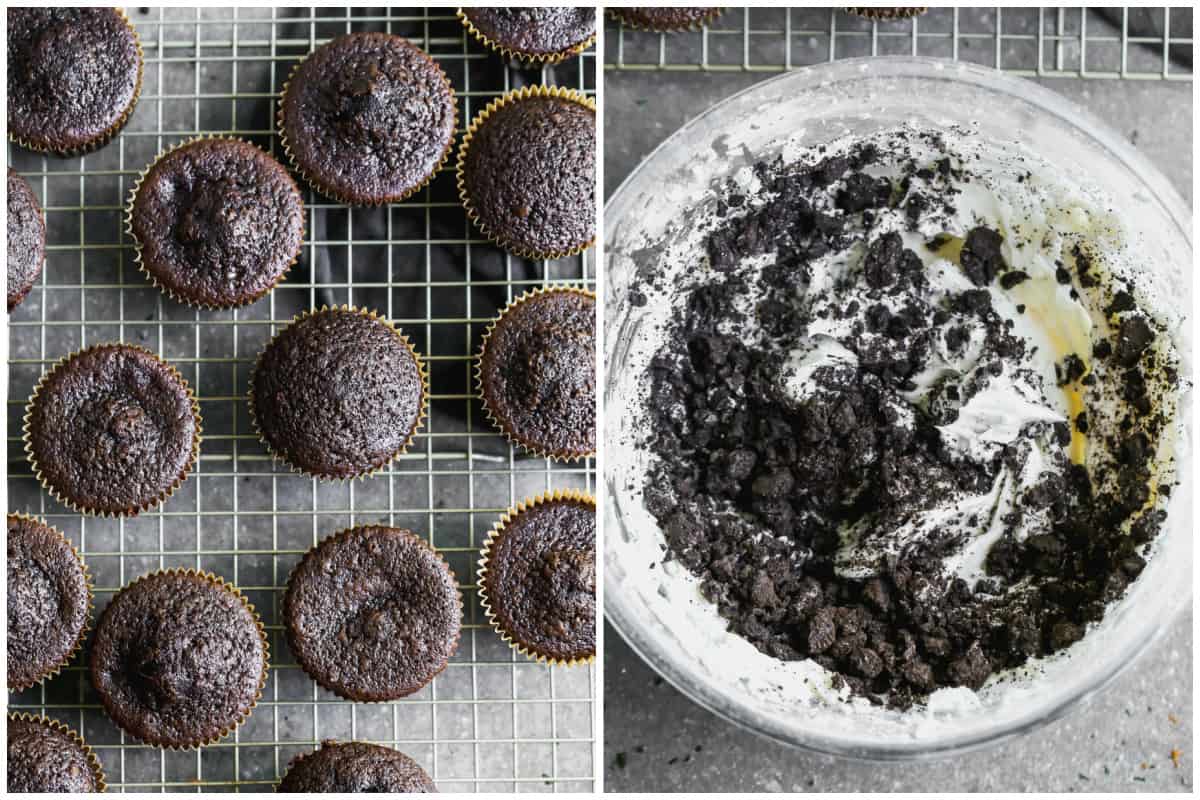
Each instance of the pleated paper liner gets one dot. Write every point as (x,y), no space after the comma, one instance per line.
(331,191)
(422,412)
(521,58)
(880,14)
(496,237)
(137,244)
(632,22)
(87,618)
(105,137)
(61,496)
(346,534)
(513,437)
(495,535)
(70,733)
(242,714)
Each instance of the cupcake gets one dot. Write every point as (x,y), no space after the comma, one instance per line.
(536,36)
(665,20)
(871,12)
(367,118)
(49,601)
(372,613)
(179,658)
(26,239)
(537,578)
(216,223)
(537,372)
(527,172)
(112,430)
(356,767)
(46,756)
(74,75)
(338,393)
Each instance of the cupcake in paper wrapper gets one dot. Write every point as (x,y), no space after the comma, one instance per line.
(44,755)
(880,14)
(532,37)
(659,19)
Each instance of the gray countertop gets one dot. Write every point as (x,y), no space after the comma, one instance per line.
(656,739)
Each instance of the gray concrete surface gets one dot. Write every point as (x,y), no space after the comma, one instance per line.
(656,739)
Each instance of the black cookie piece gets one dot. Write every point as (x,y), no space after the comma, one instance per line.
(538,581)
(48,601)
(26,239)
(338,393)
(356,767)
(981,257)
(537,373)
(527,172)
(112,430)
(368,118)
(665,20)
(74,75)
(46,756)
(179,659)
(546,35)
(217,222)
(372,613)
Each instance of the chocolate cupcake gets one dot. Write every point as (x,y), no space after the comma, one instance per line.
(372,613)
(356,767)
(49,601)
(112,430)
(533,36)
(527,172)
(216,223)
(339,393)
(368,118)
(537,578)
(537,372)
(26,239)
(179,658)
(871,12)
(45,755)
(665,20)
(74,75)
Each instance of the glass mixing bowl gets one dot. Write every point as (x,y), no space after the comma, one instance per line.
(642,596)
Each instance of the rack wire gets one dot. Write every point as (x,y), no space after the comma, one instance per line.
(1127,43)
(492,721)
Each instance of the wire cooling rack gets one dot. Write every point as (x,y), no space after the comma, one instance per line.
(1130,43)
(492,721)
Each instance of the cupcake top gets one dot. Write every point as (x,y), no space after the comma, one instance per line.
(538,32)
(178,659)
(46,756)
(527,173)
(26,239)
(368,118)
(112,430)
(73,76)
(356,767)
(537,372)
(217,222)
(665,19)
(372,613)
(338,393)
(538,579)
(48,601)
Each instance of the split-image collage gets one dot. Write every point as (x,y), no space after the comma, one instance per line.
(599,399)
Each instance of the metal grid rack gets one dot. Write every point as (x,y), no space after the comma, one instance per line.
(492,721)
(1137,43)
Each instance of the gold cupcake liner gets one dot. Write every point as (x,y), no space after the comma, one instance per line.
(137,245)
(344,534)
(485,555)
(71,734)
(114,129)
(516,95)
(422,411)
(528,447)
(27,437)
(87,617)
(881,14)
(693,25)
(226,586)
(523,59)
(329,191)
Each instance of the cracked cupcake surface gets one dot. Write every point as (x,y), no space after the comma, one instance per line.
(905,419)
(26,239)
